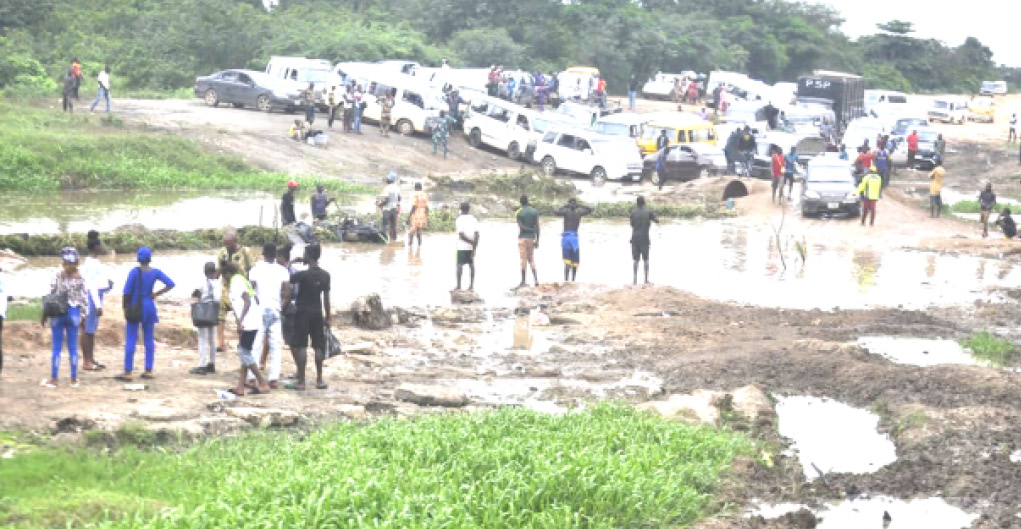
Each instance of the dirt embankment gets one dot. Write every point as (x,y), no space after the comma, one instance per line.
(953,425)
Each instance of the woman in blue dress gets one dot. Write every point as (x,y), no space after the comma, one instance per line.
(136,290)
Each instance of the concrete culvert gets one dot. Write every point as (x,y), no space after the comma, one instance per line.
(735,189)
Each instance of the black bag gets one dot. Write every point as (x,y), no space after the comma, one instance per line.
(205,314)
(133,311)
(55,305)
(333,347)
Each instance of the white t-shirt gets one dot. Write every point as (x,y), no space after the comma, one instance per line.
(210,290)
(393,195)
(97,280)
(468,225)
(268,280)
(238,287)
(104,80)
(3,296)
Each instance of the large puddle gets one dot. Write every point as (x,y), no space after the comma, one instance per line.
(721,260)
(868,513)
(829,436)
(917,351)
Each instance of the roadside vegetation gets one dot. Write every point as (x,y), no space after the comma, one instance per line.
(606,467)
(127,241)
(48,150)
(32,310)
(990,348)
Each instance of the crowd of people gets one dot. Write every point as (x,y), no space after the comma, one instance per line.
(70,87)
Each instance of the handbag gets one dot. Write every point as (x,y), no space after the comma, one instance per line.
(333,347)
(133,311)
(55,305)
(205,314)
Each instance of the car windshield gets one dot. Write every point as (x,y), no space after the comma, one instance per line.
(832,175)
(651,133)
(941,104)
(314,76)
(614,129)
(927,136)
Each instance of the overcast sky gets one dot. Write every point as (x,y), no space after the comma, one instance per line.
(993,22)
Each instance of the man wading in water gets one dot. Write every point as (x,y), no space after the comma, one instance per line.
(572,214)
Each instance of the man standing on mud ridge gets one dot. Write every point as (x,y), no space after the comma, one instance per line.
(319,203)
(936,189)
(232,252)
(871,188)
(641,221)
(287,216)
(528,238)
(572,214)
(311,317)
(467,228)
(986,203)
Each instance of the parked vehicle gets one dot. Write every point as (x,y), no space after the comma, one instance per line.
(829,187)
(982,109)
(783,94)
(861,130)
(415,102)
(993,88)
(681,128)
(584,115)
(685,162)
(845,93)
(949,110)
(541,125)
(578,83)
(499,124)
(808,121)
(248,88)
(399,66)
(925,158)
(762,161)
(304,71)
(588,153)
(661,85)
(628,124)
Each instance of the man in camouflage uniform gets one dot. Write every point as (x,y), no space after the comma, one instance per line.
(441,132)
(232,251)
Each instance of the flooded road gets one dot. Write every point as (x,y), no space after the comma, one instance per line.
(720,260)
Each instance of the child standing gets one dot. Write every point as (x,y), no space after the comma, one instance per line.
(249,318)
(209,292)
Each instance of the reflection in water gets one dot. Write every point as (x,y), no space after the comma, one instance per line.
(713,260)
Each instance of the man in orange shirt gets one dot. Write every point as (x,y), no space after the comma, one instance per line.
(76,72)
(601,92)
(778,173)
(912,148)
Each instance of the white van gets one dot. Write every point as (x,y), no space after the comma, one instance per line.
(586,153)
(949,110)
(415,102)
(993,88)
(303,71)
(499,124)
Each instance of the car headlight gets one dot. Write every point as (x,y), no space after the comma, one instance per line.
(852,196)
(813,195)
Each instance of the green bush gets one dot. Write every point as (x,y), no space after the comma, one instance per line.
(607,467)
(995,350)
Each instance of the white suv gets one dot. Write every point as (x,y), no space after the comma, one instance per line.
(599,156)
(499,124)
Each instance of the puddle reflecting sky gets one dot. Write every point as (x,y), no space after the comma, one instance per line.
(917,351)
(928,513)
(721,260)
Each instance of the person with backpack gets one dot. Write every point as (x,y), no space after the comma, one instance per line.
(140,310)
(69,284)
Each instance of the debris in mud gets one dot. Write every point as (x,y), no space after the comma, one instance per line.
(368,313)
(705,406)
(830,436)
(430,396)
(881,511)
(266,417)
(465,297)
(917,351)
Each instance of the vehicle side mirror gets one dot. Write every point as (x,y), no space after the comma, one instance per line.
(588,151)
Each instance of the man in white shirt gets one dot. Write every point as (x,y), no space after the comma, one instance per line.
(3,315)
(467,228)
(272,284)
(391,205)
(97,284)
(249,318)
(104,89)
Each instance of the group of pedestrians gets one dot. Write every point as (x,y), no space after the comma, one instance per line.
(70,86)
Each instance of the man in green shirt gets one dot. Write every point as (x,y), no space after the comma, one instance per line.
(528,238)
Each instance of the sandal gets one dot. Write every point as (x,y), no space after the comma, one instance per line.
(48,384)
(148,376)
(124,378)
(257,391)
(234,392)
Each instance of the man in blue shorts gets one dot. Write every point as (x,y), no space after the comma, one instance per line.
(572,214)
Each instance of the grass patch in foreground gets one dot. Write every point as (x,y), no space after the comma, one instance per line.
(47,150)
(992,349)
(966,206)
(608,467)
(29,311)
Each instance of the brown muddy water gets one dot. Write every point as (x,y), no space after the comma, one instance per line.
(723,260)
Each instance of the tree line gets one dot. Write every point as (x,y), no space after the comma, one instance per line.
(154,44)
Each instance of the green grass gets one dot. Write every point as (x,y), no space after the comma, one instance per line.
(990,348)
(608,467)
(28,311)
(966,206)
(47,150)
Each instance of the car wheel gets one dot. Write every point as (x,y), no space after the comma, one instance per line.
(238,105)
(703,172)
(549,166)
(405,128)
(598,176)
(513,151)
(262,103)
(475,138)
(212,98)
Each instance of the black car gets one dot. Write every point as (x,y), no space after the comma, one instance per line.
(685,162)
(829,188)
(248,88)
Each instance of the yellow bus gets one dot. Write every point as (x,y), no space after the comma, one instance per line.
(680,129)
